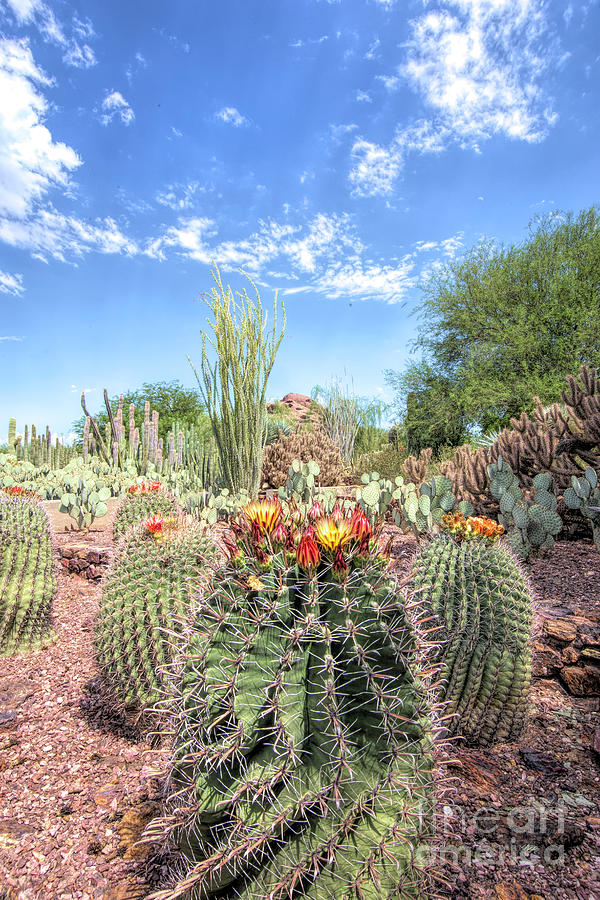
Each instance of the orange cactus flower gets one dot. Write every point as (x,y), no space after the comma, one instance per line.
(154,524)
(332,535)
(486,527)
(307,553)
(265,514)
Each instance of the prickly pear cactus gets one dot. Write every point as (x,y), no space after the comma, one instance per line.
(84,501)
(27,576)
(584,494)
(423,508)
(530,525)
(143,500)
(301,482)
(211,507)
(375,495)
(302,759)
(145,599)
(474,586)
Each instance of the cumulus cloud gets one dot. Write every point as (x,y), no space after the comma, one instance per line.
(115,106)
(31,162)
(375,168)
(50,234)
(231,116)
(11,283)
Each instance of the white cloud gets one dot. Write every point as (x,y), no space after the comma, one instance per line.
(50,234)
(31,162)
(367,280)
(75,54)
(178,196)
(480,65)
(375,168)
(11,283)
(11,338)
(231,116)
(363,97)
(115,105)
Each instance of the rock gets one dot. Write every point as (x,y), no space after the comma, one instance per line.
(66,553)
(581,681)
(541,762)
(8,718)
(560,629)
(510,890)
(131,828)
(597,741)
(14,691)
(546,661)
(125,892)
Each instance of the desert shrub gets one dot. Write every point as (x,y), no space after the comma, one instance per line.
(305,446)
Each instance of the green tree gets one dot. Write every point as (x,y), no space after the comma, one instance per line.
(173,402)
(500,326)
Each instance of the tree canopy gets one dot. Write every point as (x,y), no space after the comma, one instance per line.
(500,326)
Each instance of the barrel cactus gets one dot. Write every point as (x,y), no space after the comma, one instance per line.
(142,500)
(303,746)
(144,601)
(474,586)
(27,576)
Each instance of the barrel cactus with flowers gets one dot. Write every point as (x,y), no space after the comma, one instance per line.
(303,746)
(472,584)
(142,500)
(145,602)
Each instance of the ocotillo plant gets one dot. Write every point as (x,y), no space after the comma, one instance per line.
(475,589)
(302,755)
(27,577)
(144,600)
(233,388)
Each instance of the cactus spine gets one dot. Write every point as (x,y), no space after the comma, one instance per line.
(27,576)
(302,753)
(482,601)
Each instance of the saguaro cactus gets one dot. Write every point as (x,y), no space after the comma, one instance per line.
(302,760)
(476,589)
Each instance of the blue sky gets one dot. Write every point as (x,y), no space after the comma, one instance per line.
(332,149)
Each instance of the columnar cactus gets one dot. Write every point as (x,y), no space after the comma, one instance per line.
(142,500)
(480,597)
(27,576)
(302,757)
(144,601)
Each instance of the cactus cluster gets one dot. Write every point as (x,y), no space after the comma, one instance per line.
(584,495)
(27,576)
(306,446)
(474,589)
(144,601)
(424,507)
(375,495)
(302,756)
(84,501)
(142,500)
(531,525)
(212,506)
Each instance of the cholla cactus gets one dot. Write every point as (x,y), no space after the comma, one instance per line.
(474,586)
(144,601)
(302,754)
(27,576)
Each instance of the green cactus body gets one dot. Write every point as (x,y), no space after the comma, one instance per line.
(482,601)
(303,739)
(531,525)
(144,601)
(584,495)
(27,576)
(422,508)
(135,508)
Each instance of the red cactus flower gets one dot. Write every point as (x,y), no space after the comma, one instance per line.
(154,485)
(340,566)
(279,534)
(316,511)
(154,524)
(337,514)
(361,527)
(307,553)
